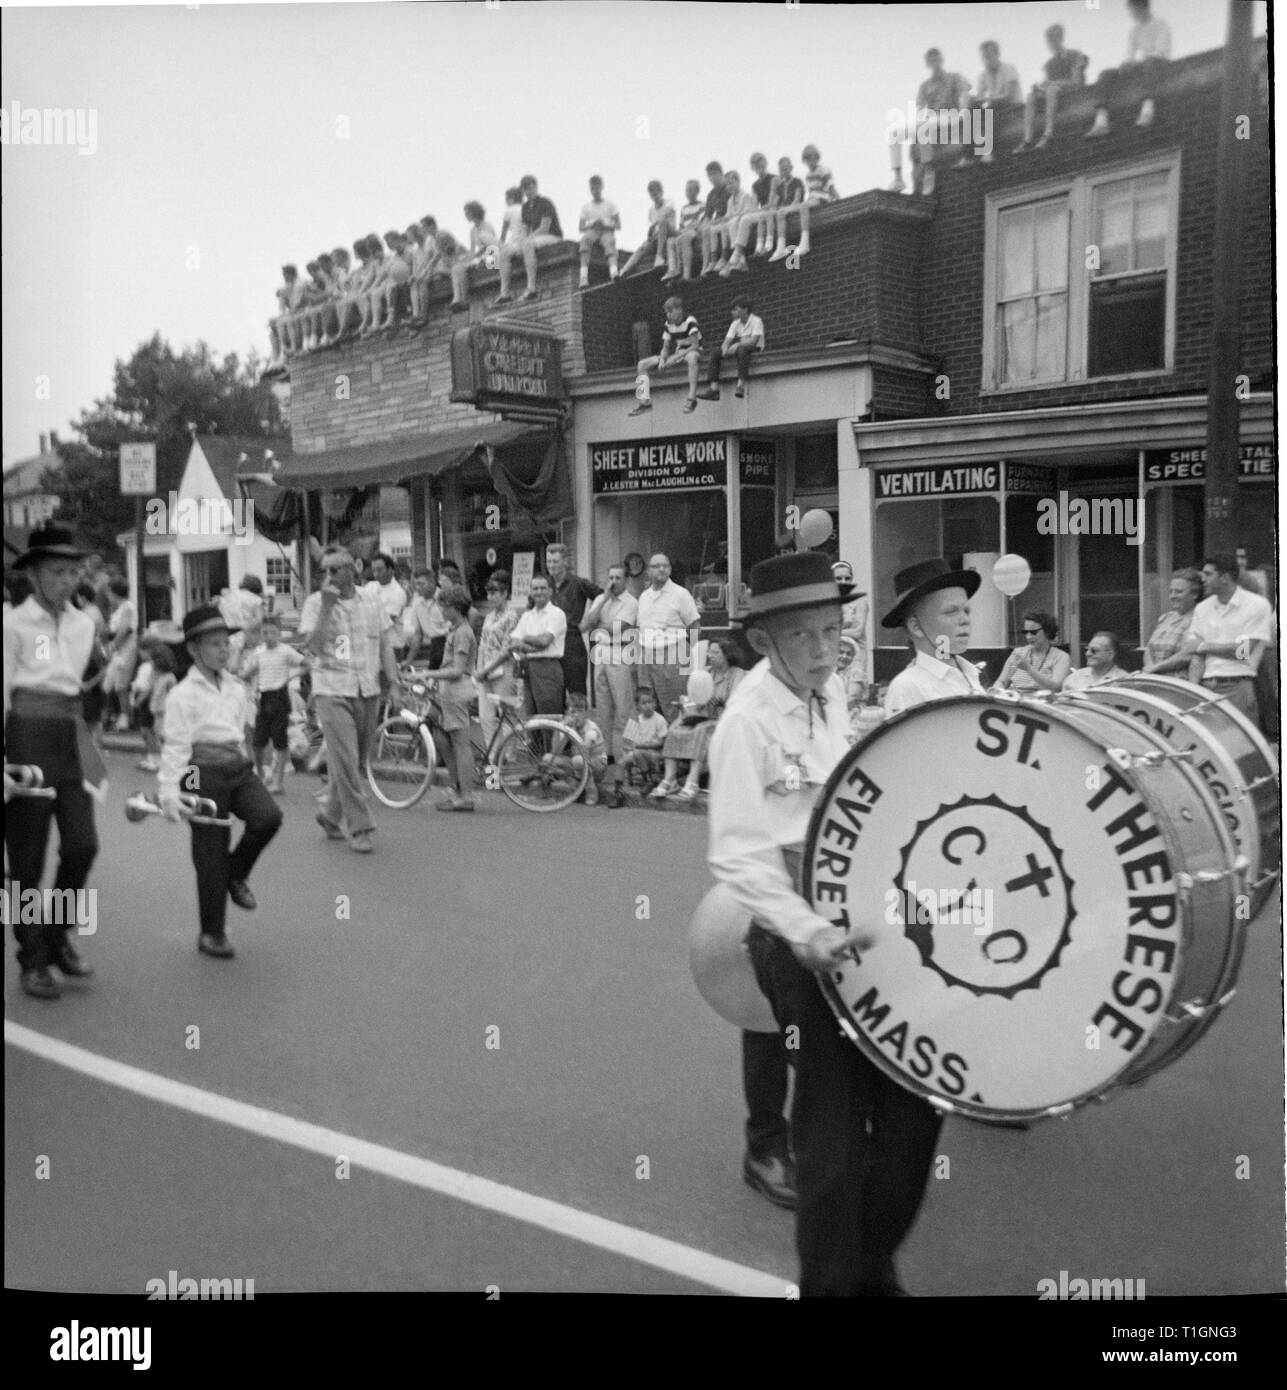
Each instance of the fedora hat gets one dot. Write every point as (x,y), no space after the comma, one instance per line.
(50,542)
(912,584)
(787,583)
(206,618)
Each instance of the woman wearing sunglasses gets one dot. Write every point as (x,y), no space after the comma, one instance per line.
(1038,664)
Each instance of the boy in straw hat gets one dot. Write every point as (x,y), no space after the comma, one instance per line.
(204,753)
(863,1145)
(47,647)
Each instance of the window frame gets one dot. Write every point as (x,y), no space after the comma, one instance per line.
(1078,190)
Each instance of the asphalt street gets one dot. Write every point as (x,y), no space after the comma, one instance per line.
(507,995)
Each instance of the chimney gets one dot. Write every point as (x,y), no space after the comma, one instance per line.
(44,443)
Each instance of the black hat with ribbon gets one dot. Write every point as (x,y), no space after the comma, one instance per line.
(207,618)
(788,583)
(916,581)
(49,542)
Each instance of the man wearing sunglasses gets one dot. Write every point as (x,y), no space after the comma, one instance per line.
(350,638)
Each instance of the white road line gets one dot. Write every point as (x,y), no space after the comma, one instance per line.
(640,1246)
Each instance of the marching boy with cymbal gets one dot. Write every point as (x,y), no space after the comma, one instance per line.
(204,753)
(863,1145)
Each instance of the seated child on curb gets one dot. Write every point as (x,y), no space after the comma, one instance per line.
(595,747)
(643,737)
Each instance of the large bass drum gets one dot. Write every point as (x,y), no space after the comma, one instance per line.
(1053,894)
(1228,753)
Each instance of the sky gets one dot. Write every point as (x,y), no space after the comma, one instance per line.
(228,140)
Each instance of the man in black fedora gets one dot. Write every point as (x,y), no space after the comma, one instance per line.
(933,604)
(204,754)
(47,646)
(863,1145)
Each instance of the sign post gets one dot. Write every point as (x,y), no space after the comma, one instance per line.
(138,480)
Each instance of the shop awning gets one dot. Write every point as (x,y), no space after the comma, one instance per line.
(367,464)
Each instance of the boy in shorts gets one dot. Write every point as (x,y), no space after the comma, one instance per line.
(600,223)
(679,251)
(272,665)
(643,738)
(681,341)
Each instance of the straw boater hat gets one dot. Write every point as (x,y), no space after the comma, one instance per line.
(914,583)
(205,619)
(49,542)
(790,582)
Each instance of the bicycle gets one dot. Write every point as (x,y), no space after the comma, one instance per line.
(534,761)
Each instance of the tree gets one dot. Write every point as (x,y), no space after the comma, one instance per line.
(158,395)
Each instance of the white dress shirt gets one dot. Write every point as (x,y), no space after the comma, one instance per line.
(768,762)
(928,679)
(43,654)
(199,711)
(665,615)
(751,333)
(612,616)
(392,595)
(1246,617)
(535,622)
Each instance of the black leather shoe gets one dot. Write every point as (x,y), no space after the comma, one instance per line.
(69,962)
(40,984)
(215,946)
(239,892)
(771,1177)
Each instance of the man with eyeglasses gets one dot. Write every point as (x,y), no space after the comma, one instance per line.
(669,623)
(350,639)
(607,621)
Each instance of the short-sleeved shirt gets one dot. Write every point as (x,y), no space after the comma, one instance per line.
(945,92)
(1150,38)
(1054,665)
(661,212)
(536,622)
(1083,677)
(763,188)
(679,337)
(497,629)
(1068,66)
(392,595)
(602,211)
(690,214)
(646,731)
(1002,85)
(1246,616)
(790,191)
(664,614)
(739,203)
(349,662)
(1168,636)
(752,331)
(717,202)
(481,236)
(536,210)
(460,642)
(819,184)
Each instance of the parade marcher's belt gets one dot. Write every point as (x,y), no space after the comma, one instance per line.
(224,755)
(48,704)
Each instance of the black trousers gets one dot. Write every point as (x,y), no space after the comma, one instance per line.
(576,664)
(545,685)
(863,1145)
(764,1081)
(742,353)
(1141,78)
(51,745)
(235,788)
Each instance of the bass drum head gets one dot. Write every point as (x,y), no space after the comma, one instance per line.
(1025,892)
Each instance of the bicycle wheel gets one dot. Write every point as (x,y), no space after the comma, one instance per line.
(536,768)
(401,762)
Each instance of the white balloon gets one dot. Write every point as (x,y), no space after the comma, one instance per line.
(701,687)
(1011,574)
(815,527)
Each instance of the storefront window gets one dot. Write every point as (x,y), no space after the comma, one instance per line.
(966,531)
(691,527)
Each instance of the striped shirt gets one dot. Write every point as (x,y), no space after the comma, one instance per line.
(679,337)
(274,666)
(1168,636)
(690,214)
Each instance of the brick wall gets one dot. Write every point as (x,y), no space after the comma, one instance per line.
(859,281)
(1187,119)
(398,384)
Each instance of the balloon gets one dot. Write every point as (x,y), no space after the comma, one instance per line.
(815,527)
(700,687)
(1011,574)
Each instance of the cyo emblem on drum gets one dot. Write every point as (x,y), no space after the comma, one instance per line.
(999,850)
